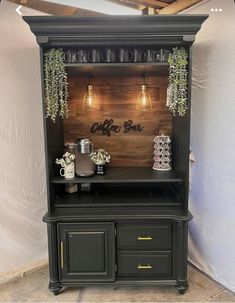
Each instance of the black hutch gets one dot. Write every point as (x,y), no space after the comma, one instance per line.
(131,229)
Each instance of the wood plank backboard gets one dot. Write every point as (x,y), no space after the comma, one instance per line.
(116,99)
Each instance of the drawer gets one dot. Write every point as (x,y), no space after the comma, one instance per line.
(144,264)
(144,236)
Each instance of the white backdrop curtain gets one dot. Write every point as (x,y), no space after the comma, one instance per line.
(22,178)
(212,198)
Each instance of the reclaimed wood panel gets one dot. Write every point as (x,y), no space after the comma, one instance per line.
(116,99)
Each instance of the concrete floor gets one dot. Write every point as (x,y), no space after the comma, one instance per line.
(33,288)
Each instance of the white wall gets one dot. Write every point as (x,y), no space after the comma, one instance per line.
(212,199)
(22,177)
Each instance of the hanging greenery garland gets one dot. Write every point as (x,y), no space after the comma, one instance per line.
(178,81)
(56,85)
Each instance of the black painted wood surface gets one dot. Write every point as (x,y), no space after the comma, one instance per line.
(116,30)
(144,264)
(126,175)
(87,252)
(144,236)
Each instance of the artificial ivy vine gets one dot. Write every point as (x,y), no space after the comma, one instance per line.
(178,83)
(56,85)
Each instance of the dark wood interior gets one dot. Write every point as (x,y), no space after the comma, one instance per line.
(116,98)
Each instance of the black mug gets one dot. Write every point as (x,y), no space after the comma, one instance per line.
(149,55)
(164,55)
(137,55)
(69,56)
(81,56)
(126,55)
(158,55)
(93,55)
(108,55)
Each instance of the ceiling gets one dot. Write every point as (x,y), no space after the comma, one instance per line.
(71,7)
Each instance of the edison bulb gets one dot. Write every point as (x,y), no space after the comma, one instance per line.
(144,99)
(89,98)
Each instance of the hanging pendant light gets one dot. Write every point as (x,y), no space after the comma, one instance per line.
(89,100)
(144,100)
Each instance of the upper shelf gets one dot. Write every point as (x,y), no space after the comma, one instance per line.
(118,69)
(126,175)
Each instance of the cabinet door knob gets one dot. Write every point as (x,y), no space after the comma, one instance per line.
(140,266)
(62,254)
(148,238)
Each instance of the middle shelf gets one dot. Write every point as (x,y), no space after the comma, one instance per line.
(126,175)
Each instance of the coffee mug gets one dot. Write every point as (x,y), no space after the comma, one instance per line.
(164,55)
(81,56)
(68,172)
(93,55)
(149,55)
(108,55)
(126,55)
(137,55)
(69,56)
(158,55)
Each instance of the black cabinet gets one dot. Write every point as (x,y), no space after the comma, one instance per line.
(86,252)
(131,228)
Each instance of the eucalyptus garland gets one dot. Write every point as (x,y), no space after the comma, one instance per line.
(178,82)
(56,85)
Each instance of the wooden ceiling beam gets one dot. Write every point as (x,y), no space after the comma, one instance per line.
(130,4)
(54,8)
(140,4)
(146,3)
(155,3)
(178,6)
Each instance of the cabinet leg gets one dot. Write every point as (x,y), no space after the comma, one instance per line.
(182,284)
(182,287)
(54,287)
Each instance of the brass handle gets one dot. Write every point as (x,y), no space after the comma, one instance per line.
(140,266)
(62,255)
(145,238)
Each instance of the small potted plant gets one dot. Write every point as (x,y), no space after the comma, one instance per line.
(100,157)
(67,165)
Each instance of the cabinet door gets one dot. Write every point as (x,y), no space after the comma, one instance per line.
(86,252)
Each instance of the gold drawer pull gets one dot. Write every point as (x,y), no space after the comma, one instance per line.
(145,238)
(62,255)
(140,266)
